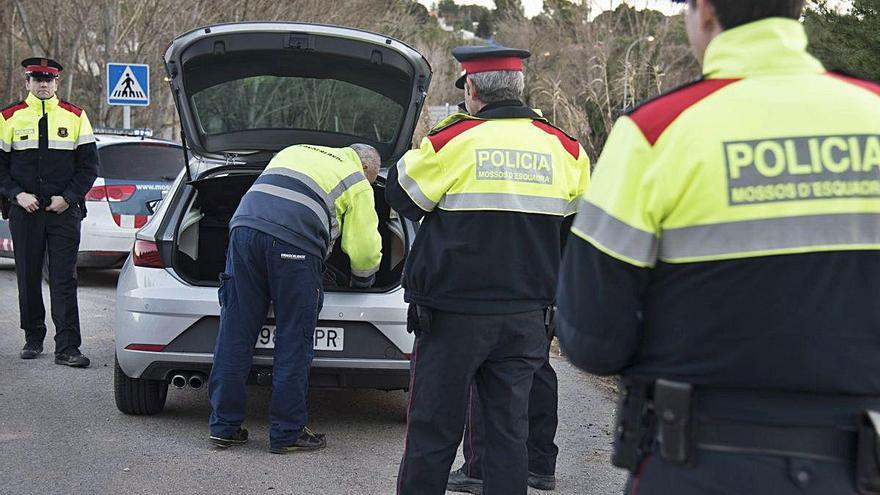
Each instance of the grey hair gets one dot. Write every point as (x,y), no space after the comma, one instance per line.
(369,155)
(498,85)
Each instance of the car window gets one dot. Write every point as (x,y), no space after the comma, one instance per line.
(272,102)
(140,161)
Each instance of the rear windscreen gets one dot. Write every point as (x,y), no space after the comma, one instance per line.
(140,161)
(273,102)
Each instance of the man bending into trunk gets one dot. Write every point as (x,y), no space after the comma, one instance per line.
(279,237)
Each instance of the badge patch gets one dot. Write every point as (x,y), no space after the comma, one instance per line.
(62,132)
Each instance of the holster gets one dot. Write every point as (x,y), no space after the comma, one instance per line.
(418,319)
(868,456)
(633,425)
(5,206)
(550,321)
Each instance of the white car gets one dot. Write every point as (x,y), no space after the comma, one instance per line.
(244,92)
(133,173)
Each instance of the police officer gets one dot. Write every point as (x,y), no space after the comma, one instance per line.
(726,262)
(282,231)
(543,420)
(48,162)
(492,190)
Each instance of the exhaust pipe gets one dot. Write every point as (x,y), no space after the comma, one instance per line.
(179,381)
(196,380)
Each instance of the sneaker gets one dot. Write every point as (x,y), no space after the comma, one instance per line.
(240,437)
(542,481)
(306,442)
(459,481)
(72,358)
(31,351)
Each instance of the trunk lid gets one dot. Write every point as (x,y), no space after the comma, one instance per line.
(248,90)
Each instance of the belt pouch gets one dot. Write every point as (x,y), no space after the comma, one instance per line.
(868,458)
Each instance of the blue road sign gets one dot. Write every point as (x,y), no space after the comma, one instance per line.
(128,84)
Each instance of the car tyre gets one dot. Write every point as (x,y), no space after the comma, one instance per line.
(138,395)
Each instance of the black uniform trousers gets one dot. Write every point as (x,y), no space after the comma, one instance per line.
(500,354)
(543,420)
(720,473)
(34,236)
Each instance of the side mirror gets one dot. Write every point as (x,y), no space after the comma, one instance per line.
(152,204)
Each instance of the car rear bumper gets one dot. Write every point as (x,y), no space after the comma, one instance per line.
(154,307)
(325,373)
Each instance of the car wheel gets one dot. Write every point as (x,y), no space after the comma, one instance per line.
(138,395)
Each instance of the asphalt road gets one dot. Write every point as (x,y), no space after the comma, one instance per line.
(60,431)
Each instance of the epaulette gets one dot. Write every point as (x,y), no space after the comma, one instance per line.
(653,116)
(11,109)
(70,107)
(450,120)
(571,145)
(861,82)
(450,127)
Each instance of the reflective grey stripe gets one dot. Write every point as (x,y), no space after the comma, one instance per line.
(61,145)
(293,174)
(771,234)
(85,139)
(329,198)
(505,201)
(25,145)
(334,194)
(5,146)
(412,188)
(296,198)
(636,244)
(344,184)
(365,273)
(572,206)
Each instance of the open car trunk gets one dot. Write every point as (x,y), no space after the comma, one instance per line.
(203,235)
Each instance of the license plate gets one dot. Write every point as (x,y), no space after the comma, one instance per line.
(326,338)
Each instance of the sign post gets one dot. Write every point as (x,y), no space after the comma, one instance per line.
(128,85)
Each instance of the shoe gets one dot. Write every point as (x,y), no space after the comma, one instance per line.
(30,351)
(459,481)
(542,481)
(306,442)
(240,437)
(72,358)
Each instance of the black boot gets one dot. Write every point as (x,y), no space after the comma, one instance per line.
(31,351)
(542,481)
(459,481)
(72,358)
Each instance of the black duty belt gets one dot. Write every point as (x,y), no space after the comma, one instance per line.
(824,444)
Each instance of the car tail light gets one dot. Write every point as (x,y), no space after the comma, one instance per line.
(119,192)
(146,254)
(111,192)
(97,193)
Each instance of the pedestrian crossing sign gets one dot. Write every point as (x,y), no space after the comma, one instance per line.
(128,84)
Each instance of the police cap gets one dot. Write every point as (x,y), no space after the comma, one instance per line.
(476,59)
(41,67)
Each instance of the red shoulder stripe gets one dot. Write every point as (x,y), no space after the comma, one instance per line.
(11,109)
(439,139)
(656,115)
(70,107)
(569,143)
(869,85)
